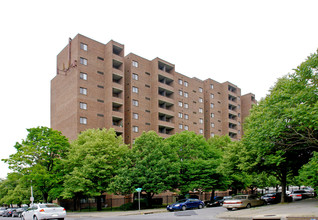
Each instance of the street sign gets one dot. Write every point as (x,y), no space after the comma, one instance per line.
(138,189)
(32,199)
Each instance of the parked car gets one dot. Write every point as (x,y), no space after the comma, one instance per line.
(296,196)
(2,209)
(243,201)
(217,201)
(18,212)
(44,211)
(8,212)
(186,204)
(305,193)
(272,198)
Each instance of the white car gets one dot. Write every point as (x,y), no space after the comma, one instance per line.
(44,211)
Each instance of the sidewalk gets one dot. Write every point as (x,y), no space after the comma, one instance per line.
(111,214)
(299,210)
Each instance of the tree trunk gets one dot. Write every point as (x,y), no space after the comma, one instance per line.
(99,203)
(212,194)
(45,196)
(283,182)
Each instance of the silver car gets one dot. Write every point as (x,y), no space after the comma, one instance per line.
(242,201)
(44,211)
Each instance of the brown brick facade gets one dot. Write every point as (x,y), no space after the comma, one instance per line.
(96,86)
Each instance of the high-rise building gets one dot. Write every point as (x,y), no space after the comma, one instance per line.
(97,86)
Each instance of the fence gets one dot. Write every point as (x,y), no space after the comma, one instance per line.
(130,203)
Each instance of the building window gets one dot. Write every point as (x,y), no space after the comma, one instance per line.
(99,86)
(212,125)
(180,92)
(180,104)
(135,116)
(83,105)
(180,81)
(201,120)
(135,89)
(186,94)
(201,131)
(200,99)
(186,105)
(212,105)
(135,129)
(200,110)
(83,91)
(100,58)
(135,63)
(186,83)
(180,126)
(84,46)
(83,76)
(212,134)
(83,120)
(99,100)
(135,103)
(186,116)
(100,72)
(200,89)
(180,115)
(212,96)
(100,115)
(211,86)
(186,127)
(135,76)
(212,115)
(83,61)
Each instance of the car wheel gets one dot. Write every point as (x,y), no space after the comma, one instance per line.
(200,206)
(183,208)
(230,209)
(248,205)
(35,218)
(221,203)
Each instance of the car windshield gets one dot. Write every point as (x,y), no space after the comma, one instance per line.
(181,201)
(49,205)
(239,197)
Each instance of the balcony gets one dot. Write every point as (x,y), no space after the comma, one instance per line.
(118,65)
(232,107)
(232,89)
(118,79)
(117,93)
(165,67)
(117,122)
(165,130)
(232,98)
(117,107)
(165,80)
(233,135)
(165,93)
(232,126)
(118,51)
(165,105)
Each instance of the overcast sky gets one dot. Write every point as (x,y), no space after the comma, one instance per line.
(250,43)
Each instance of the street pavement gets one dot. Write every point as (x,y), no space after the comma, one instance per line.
(299,210)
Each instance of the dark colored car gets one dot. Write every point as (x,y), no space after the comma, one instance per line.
(272,198)
(186,204)
(8,212)
(217,201)
(18,212)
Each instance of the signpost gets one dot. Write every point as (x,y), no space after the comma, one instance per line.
(139,190)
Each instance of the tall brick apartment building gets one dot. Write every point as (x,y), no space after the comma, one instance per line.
(97,86)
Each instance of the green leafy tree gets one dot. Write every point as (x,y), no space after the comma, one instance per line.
(281,131)
(38,159)
(92,162)
(309,173)
(150,165)
(198,161)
